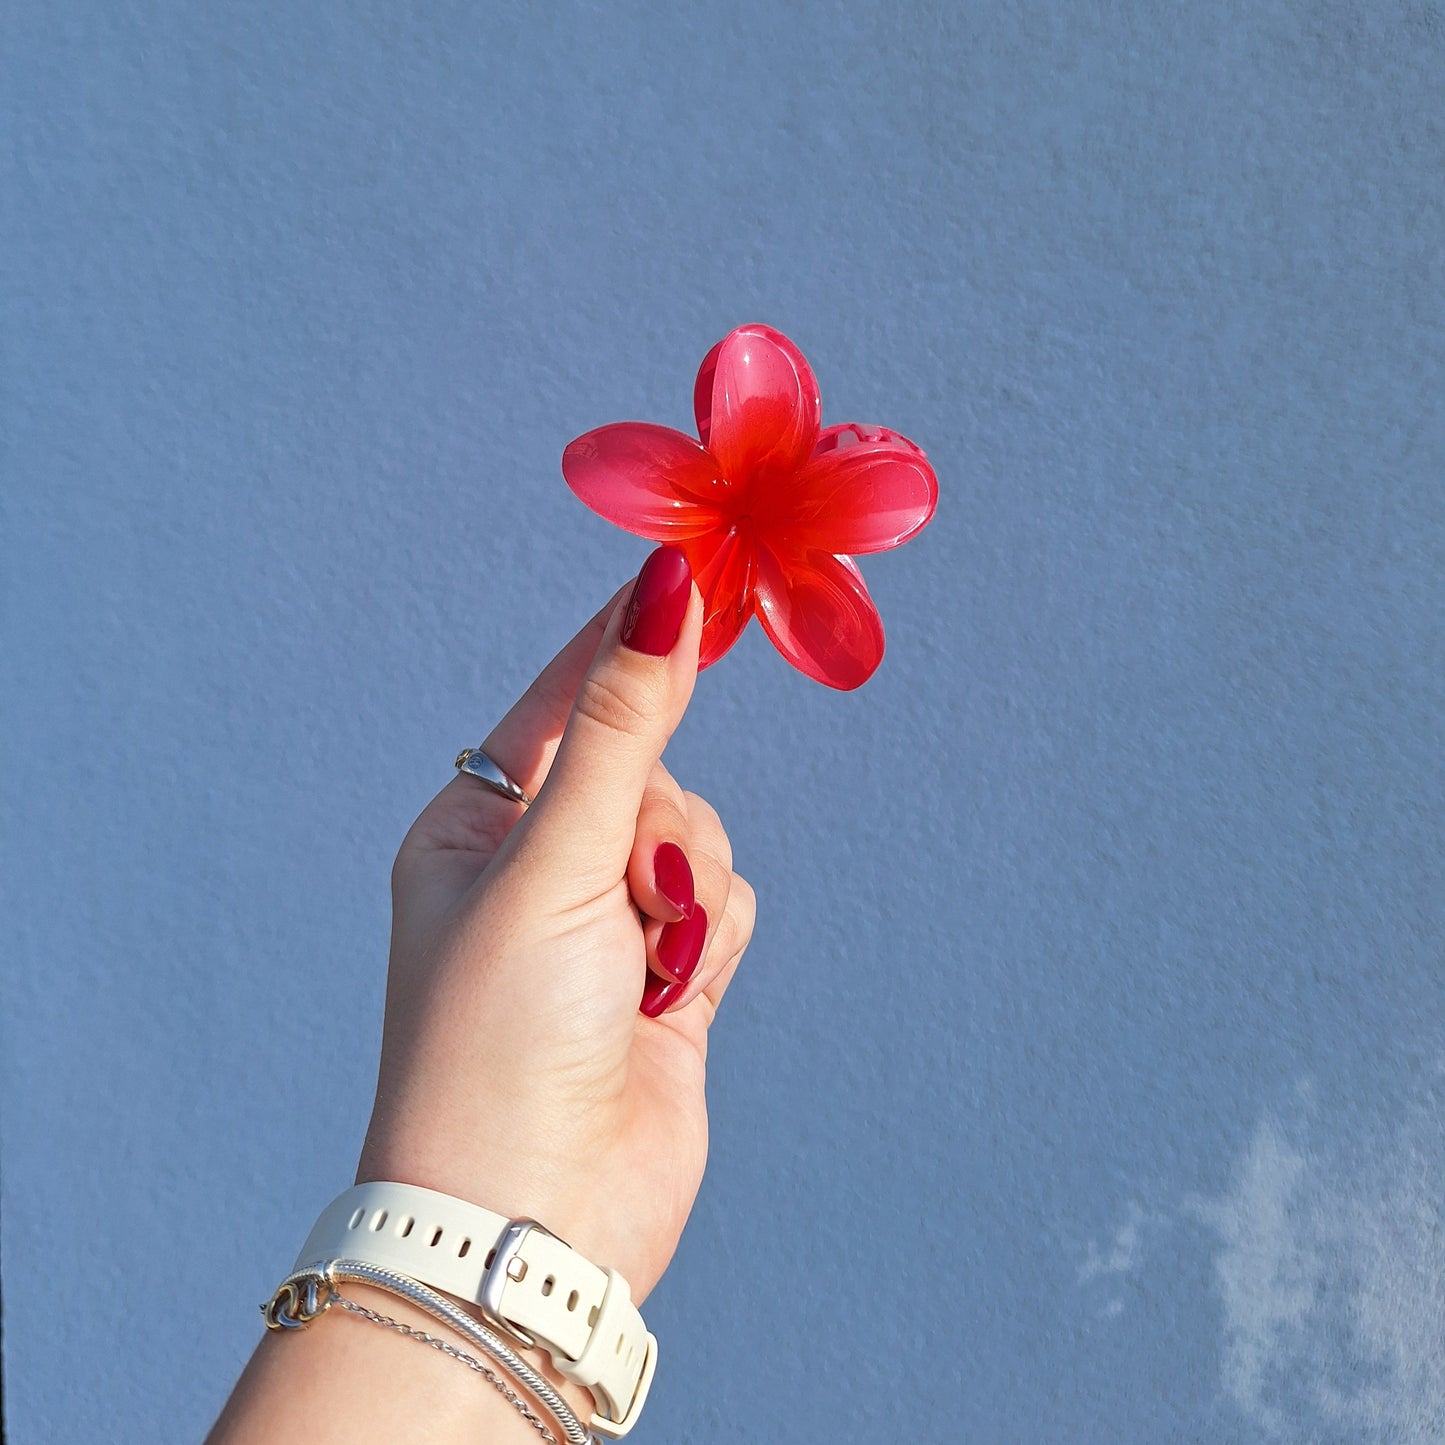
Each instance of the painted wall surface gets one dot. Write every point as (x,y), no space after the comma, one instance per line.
(1085,1079)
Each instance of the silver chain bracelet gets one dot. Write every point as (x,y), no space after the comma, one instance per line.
(447,1348)
(307,1293)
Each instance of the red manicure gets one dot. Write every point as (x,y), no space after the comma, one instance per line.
(673,875)
(658,994)
(679,947)
(658,602)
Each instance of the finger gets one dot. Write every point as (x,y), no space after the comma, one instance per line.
(706,827)
(726,943)
(676,950)
(717,986)
(627,705)
(525,741)
(659,873)
(467,813)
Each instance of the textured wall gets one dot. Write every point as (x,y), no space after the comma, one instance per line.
(1085,1079)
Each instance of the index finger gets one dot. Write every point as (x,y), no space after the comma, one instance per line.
(523,743)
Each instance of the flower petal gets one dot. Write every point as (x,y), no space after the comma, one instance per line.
(757,404)
(817,611)
(653,481)
(724,569)
(865,490)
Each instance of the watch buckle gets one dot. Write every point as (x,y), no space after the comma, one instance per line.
(508,1265)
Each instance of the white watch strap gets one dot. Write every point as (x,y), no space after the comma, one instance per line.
(528,1281)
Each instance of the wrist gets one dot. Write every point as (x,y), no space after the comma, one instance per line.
(405,1149)
(471,1394)
(360,1382)
(517,1193)
(493,1404)
(494,1280)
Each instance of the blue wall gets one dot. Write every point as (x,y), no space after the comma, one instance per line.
(1085,1079)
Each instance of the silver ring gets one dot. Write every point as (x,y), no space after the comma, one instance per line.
(480,766)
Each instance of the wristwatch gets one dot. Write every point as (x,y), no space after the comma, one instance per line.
(530,1285)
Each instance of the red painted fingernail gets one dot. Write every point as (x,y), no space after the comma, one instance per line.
(658,602)
(679,947)
(673,875)
(659,993)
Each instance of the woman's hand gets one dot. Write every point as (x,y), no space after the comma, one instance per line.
(518,1070)
(554,971)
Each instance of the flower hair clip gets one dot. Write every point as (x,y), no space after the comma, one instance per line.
(769,505)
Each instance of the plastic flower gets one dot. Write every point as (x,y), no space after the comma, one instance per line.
(768,506)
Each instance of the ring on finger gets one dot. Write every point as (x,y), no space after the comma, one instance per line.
(487,770)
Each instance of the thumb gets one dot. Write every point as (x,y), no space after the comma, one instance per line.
(632,698)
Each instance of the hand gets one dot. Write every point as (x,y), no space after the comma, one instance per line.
(517,1069)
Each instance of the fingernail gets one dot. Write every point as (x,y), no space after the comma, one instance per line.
(658,602)
(673,875)
(659,993)
(679,947)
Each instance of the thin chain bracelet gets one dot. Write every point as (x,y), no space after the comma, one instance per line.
(447,1348)
(306,1293)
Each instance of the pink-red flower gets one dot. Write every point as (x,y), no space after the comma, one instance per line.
(769,506)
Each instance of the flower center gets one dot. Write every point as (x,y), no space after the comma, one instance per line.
(752,514)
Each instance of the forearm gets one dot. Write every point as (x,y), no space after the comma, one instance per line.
(343,1378)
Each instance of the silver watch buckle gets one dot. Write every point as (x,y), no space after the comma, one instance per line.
(508,1265)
